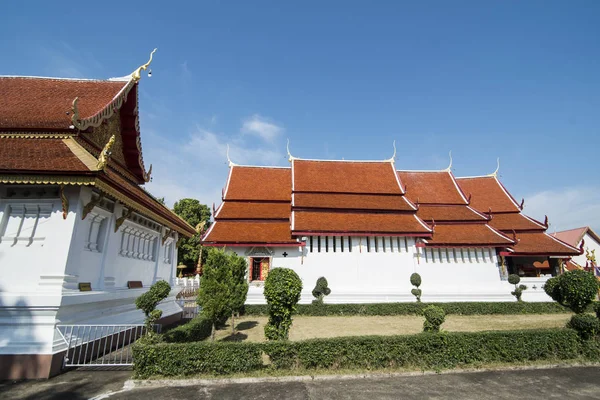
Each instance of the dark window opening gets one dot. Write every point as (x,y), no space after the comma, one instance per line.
(350,244)
(319,244)
(311,244)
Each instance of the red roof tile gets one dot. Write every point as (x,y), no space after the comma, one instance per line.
(347,222)
(514,221)
(448,213)
(468,235)
(431,187)
(352,201)
(542,243)
(345,177)
(249,232)
(253,210)
(487,192)
(38,155)
(259,183)
(45,103)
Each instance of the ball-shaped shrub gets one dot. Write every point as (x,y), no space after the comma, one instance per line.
(282,291)
(415,279)
(434,318)
(514,279)
(586,325)
(148,301)
(574,289)
(321,290)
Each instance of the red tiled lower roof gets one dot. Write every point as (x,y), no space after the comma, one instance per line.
(487,192)
(352,201)
(253,210)
(448,213)
(514,221)
(45,103)
(346,222)
(259,183)
(260,232)
(468,235)
(45,155)
(542,243)
(345,177)
(432,187)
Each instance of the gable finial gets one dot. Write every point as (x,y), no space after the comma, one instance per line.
(394,156)
(495,173)
(290,156)
(449,169)
(136,75)
(231,163)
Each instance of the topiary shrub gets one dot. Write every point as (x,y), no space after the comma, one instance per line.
(434,318)
(574,289)
(514,279)
(415,280)
(586,325)
(148,301)
(321,290)
(282,291)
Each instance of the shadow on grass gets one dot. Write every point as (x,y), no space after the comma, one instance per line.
(236,337)
(244,326)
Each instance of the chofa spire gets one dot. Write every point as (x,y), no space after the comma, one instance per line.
(136,75)
(495,173)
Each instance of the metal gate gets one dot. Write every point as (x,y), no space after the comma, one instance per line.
(100,345)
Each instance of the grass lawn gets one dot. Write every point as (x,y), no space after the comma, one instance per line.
(251,328)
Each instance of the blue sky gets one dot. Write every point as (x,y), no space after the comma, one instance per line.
(343,79)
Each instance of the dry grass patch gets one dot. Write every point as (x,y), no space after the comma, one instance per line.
(251,328)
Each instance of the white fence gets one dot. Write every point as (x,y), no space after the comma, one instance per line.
(191,283)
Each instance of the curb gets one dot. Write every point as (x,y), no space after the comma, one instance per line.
(130,384)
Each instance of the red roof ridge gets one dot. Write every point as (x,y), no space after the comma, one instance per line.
(55,78)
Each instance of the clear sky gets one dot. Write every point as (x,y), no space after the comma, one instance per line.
(517,80)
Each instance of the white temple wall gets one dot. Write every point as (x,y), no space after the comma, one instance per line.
(590,244)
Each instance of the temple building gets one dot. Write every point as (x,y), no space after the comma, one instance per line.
(366,227)
(80,238)
(589,240)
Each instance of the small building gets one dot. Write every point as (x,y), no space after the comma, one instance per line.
(366,227)
(80,238)
(589,240)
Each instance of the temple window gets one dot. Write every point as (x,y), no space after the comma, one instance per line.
(483,251)
(469,254)
(311,244)
(334,238)
(405,244)
(349,244)
(326,244)
(383,244)
(97,228)
(342,243)
(168,252)
(454,255)
(476,255)
(24,223)
(425,251)
(376,244)
(259,268)
(368,245)
(398,244)
(440,255)
(319,244)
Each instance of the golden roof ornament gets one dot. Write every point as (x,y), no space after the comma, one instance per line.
(495,173)
(148,175)
(105,154)
(136,75)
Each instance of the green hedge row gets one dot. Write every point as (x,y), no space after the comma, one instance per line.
(466,308)
(195,330)
(424,351)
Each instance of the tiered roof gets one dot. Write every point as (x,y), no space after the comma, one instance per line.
(489,196)
(255,208)
(443,204)
(53,131)
(351,198)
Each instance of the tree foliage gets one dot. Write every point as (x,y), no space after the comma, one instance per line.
(586,325)
(574,289)
(148,301)
(282,291)
(434,318)
(215,289)
(514,279)
(415,280)
(193,212)
(239,286)
(321,290)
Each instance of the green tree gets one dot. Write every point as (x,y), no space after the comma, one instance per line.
(282,291)
(214,295)
(321,290)
(239,286)
(415,280)
(574,289)
(514,279)
(148,301)
(193,212)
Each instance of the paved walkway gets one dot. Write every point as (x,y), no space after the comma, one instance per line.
(559,383)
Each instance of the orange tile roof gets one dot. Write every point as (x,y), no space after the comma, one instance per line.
(468,235)
(345,177)
(259,183)
(431,187)
(253,210)
(38,155)
(45,103)
(448,213)
(249,232)
(487,192)
(515,221)
(348,222)
(542,243)
(352,201)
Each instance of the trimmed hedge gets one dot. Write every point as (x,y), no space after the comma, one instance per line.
(176,359)
(427,351)
(466,308)
(195,330)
